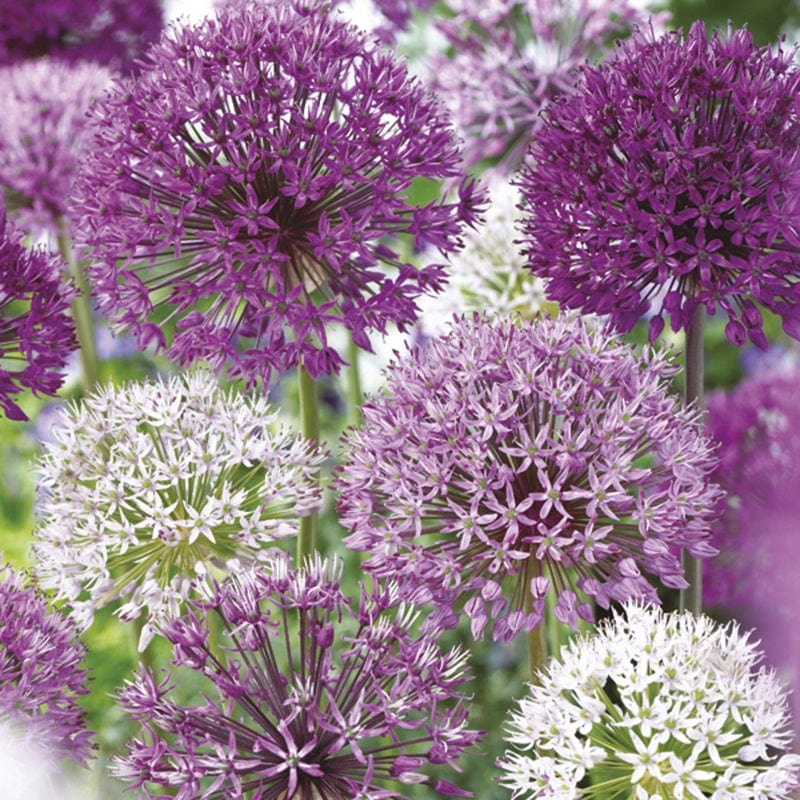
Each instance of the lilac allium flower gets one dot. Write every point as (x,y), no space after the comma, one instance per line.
(149,490)
(307,698)
(41,135)
(41,677)
(670,180)
(112,32)
(36,330)
(244,185)
(527,457)
(757,426)
(512,57)
(654,706)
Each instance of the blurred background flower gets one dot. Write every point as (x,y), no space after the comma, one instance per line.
(42,134)
(511,58)
(111,32)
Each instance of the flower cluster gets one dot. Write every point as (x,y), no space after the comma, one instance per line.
(510,460)
(240,192)
(669,181)
(757,427)
(112,32)
(307,698)
(41,677)
(41,135)
(36,330)
(654,706)
(148,489)
(513,57)
(490,274)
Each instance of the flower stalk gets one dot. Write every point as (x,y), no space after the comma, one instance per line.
(691,598)
(309,427)
(81,309)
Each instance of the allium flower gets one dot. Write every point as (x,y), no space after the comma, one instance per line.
(512,57)
(243,186)
(757,426)
(308,698)
(669,181)
(112,32)
(654,706)
(148,489)
(41,677)
(490,274)
(36,330)
(41,134)
(522,458)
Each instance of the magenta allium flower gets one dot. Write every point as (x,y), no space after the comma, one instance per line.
(669,180)
(757,426)
(36,330)
(41,135)
(243,187)
(112,32)
(527,457)
(41,677)
(512,57)
(306,697)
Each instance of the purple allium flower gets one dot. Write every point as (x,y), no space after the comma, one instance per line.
(41,135)
(512,57)
(654,706)
(41,677)
(242,189)
(668,181)
(149,490)
(36,330)
(527,457)
(307,698)
(112,32)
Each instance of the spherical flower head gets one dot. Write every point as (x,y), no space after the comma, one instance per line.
(516,459)
(668,181)
(41,135)
(41,678)
(149,489)
(244,186)
(654,706)
(111,32)
(757,426)
(490,274)
(306,696)
(36,330)
(513,57)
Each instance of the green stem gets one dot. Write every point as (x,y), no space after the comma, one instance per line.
(354,393)
(537,638)
(309,424)
(81,309)
(691,598)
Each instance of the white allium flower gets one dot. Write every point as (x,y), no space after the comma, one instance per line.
(149,490)
(654,706)
(489,275)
